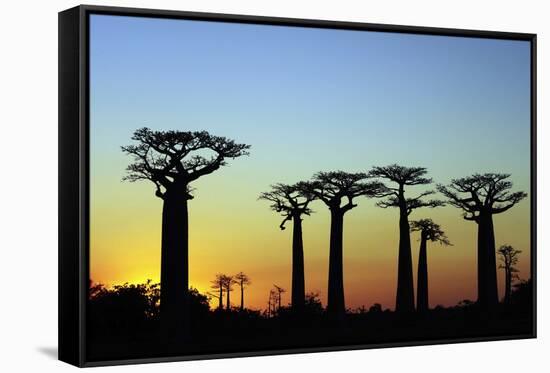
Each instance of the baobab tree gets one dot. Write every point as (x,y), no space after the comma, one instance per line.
(404,177)
(481,196)
(279,292)
(429,231)
(218,286)
(172,160)
(509,258)
(228,282)
(338,189)
(243,281)
(292,204)
(271,302)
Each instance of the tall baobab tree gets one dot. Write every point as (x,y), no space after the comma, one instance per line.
(404,177)
(429,231)
(218,285)
(338,189)
(172,160)
(292,204)
(481,196)
(243,281)
(509,258)
(228,282)
(279,292)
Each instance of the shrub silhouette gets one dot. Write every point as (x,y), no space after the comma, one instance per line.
(128,309)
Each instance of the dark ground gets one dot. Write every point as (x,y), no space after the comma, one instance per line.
(126,325)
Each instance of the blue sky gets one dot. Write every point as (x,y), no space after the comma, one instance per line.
(409,95)
(307,100)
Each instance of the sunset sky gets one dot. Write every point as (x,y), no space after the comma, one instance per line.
(306,100)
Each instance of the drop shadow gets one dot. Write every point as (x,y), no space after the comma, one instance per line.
(50,352)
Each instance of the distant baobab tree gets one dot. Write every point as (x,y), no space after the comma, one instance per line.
(509,258)
(337,189)
(243,281)
(228,282)
(292,204)
(172,160)
(279,292)
(404,177)
(481,196)
(429,231)
(271,302)
(218,285)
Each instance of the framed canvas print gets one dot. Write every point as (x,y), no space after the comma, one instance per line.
(238,186)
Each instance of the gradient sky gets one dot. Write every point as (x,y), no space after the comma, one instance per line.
(306,100)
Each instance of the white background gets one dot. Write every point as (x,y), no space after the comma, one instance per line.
(28,184)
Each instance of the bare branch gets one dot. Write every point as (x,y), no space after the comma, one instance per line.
(287,218)
(291,201)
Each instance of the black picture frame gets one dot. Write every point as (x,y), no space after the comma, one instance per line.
(74,169)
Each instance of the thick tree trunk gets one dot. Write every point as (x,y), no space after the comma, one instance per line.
(405,289)
(228,304)
(336,306)
(298,281)
(422,304)
(220,304)
(174,264)
(487,289)
(242,297)
(508,284)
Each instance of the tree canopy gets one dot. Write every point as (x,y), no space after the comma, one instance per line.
(288,200)
(509,258)
(403,176)
(176,158)
(430,230)
(481,193)
(332,187)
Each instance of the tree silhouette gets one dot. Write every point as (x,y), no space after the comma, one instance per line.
(129,309)
(292,204)
(333,188)
(481,196)
(218,285)
(429,231)
(172,160)
(404,176)
(375,308)
(279,292)
(509,258)
(125,306)
(313,305)
(227,282)
(271,302)
(522,295)
(242,280)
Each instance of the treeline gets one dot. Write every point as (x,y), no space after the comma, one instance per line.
(128,307)
(172,160)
